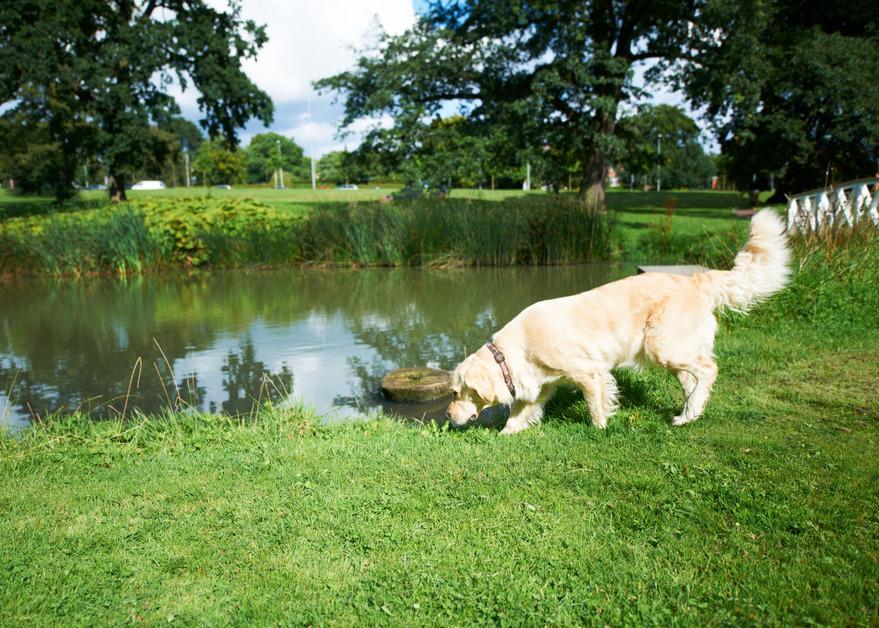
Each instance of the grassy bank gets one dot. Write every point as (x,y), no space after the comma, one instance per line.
(763,511)
(160,233)
(246,227)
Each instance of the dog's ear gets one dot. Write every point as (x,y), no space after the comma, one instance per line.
(478,379)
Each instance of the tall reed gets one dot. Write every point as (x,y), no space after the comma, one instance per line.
(548,230)
(114,240)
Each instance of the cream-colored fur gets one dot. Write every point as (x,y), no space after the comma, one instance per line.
(655,317)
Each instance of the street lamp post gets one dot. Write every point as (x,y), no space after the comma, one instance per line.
(186,161)
(280,167)
(659,163)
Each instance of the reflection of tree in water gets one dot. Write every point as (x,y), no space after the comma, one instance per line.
(152,388)
(365,385)
(248,382)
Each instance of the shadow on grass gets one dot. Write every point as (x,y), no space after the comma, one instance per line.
(633,200)
(711,214)
(643,390)
(20,206)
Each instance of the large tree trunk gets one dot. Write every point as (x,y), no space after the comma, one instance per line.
(594,172)
(117,188)
(592,186)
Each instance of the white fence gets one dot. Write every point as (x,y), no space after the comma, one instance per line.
(846,203)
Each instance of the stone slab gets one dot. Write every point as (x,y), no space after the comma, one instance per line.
(690,269)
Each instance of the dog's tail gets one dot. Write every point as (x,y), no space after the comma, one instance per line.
(761,267)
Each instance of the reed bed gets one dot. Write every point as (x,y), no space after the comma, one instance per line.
(161,233)
(457,232)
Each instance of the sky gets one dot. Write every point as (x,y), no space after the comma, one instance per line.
(311,40)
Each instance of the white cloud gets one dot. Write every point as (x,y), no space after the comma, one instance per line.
(318,138)
(310,40)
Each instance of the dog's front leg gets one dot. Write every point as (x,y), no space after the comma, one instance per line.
(522,416)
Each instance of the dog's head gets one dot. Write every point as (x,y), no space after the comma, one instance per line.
(475,384)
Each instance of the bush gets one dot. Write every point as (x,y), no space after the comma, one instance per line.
(194,232)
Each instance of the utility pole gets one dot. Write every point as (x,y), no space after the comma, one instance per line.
(659,163)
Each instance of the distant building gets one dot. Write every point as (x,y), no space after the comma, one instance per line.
(613,179)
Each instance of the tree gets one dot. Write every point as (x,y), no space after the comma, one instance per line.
(680,161)
(98,72)
(29,157)
(263,159)
(544,74)
(217,163)
(334,167)
(452,154)
(798,101)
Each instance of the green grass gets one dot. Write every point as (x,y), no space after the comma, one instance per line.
(764,511)
(296,199)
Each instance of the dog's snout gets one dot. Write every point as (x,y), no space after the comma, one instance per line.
(448,414)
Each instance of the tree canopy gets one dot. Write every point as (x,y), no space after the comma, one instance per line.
(267,152)
(216,163)
(548,75)
(98,74)
(790,87)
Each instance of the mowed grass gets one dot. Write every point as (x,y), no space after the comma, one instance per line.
(295,199)
(764,511)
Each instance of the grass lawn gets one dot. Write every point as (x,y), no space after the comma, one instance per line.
(766,510)
(296,198)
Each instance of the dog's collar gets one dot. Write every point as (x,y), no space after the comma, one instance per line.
(502,362)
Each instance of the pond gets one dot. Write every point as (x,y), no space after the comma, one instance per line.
(224,341)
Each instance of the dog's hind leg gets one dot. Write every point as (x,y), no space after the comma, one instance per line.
(696,380)
(680,337)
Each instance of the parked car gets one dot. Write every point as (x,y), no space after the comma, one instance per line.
(148,185)
(222,186)
(347,186)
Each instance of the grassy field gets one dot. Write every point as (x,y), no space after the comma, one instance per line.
(765,511)
(298,199)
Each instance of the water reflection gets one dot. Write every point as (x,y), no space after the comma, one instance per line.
(224,341)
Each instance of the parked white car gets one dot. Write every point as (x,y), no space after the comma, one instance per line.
(148,185)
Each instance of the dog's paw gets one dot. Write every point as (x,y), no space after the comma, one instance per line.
(681,420)
(513,429)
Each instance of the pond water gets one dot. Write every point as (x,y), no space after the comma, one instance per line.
(223,341)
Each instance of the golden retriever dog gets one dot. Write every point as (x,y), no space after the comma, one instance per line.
(654,318)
